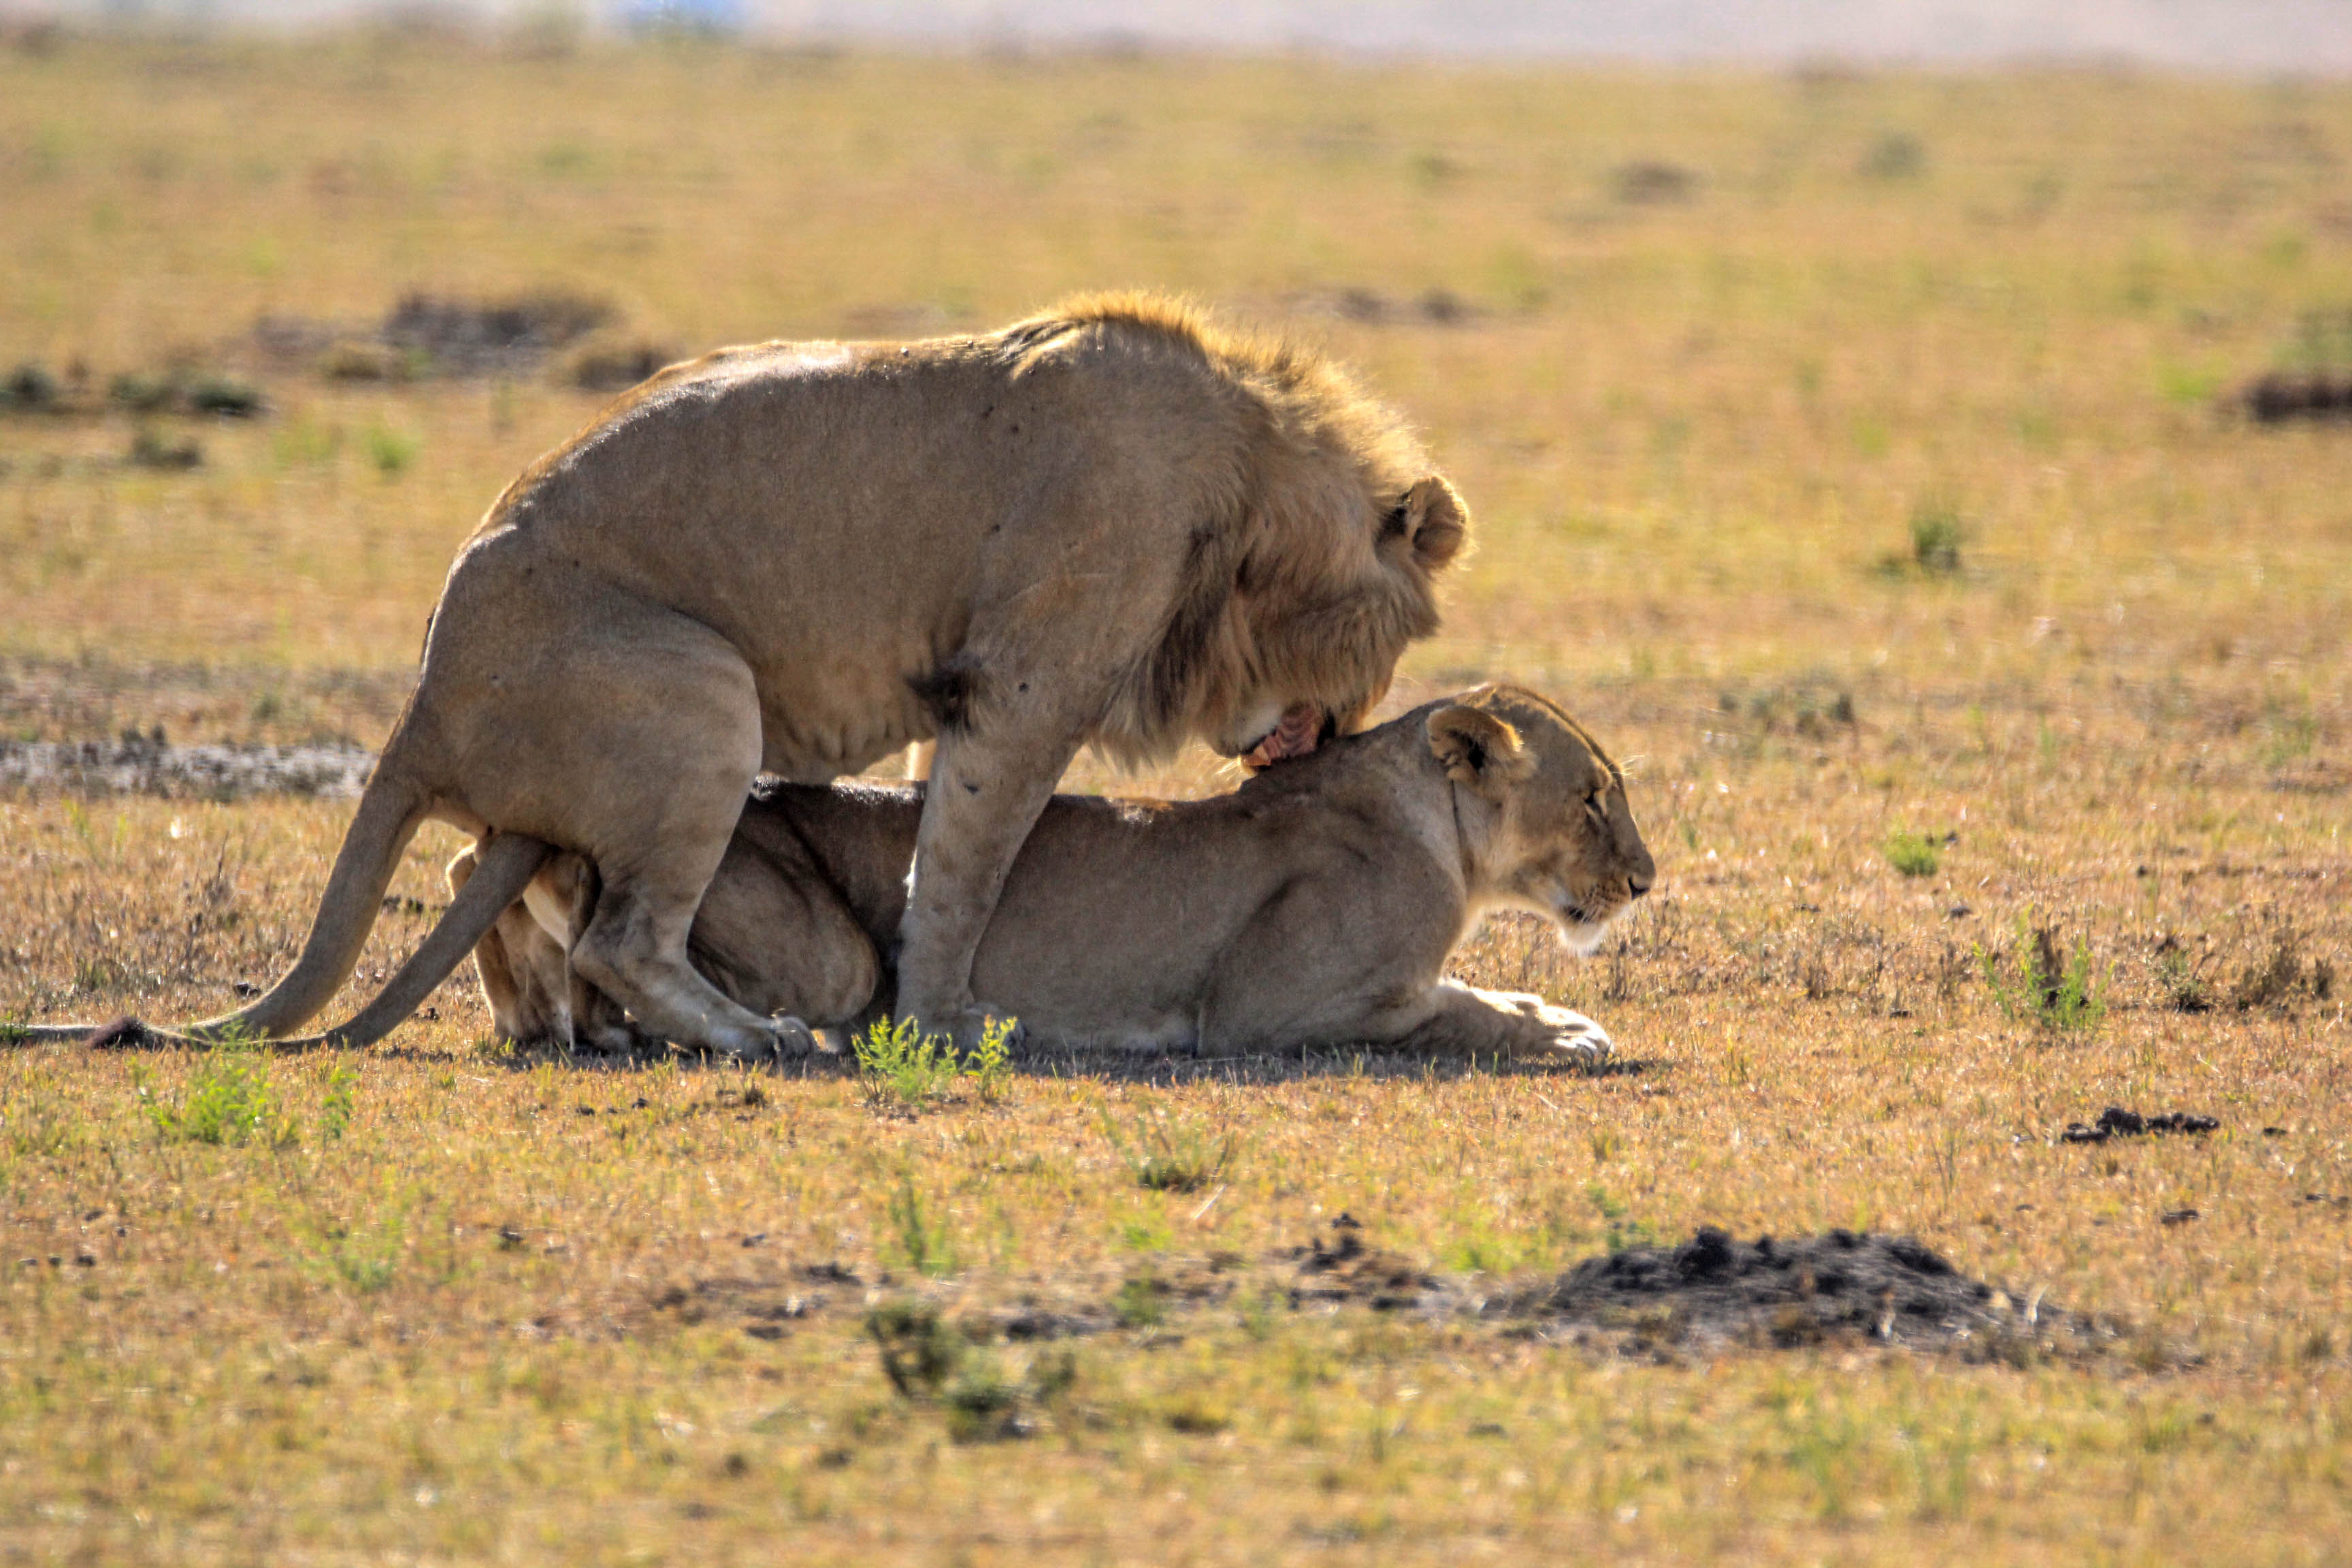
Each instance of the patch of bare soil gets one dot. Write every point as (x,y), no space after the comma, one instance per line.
(430,335)
(142,765)
(1712,1290)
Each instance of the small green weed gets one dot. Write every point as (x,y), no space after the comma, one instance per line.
(1624,1231)
(1479,1250)
(1913,854)
(920,1353)
(928,1362)
(392,451)
(989,1066)
(983,1402)
(2186,989)
(1894,156)
(1146,1232)
(363,1257)
(1935,540)
(926,1248)
(2039,984)
(899,1062)
(1170,1155)
(1141,1301)
(229,1099)
(901,1065)
(335,1110)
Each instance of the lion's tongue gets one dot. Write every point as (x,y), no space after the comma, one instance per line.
(1295,737)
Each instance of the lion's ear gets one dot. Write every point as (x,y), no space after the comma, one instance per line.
(1476,748)
(1432,518)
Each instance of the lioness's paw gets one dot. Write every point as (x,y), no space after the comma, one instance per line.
(1570,1037)
(613,1036)
(794,1038)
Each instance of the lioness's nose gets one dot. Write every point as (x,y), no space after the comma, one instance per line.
(1642,881)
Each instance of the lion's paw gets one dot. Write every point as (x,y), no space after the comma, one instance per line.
(968,1026)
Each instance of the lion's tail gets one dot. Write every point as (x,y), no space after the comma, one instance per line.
(391,810)
(389,813)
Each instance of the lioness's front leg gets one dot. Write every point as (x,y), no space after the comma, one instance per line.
(1506,1023)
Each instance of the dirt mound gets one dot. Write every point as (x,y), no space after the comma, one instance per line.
(469,337)
(1892,1289)
(2278,397)
(764,1303)
(435,335)
(1342,1268)
(2115,1121)
(1435,308)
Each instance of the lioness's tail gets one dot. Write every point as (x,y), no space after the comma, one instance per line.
(389,813)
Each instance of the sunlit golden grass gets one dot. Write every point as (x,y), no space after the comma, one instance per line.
(1706,420)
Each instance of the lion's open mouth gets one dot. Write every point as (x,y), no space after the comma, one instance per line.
(1303,728)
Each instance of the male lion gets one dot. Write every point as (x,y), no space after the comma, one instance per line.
(1112,523)
(1316,905)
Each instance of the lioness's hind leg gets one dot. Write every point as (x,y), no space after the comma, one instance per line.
(563,899)
(522,971)
(777,936)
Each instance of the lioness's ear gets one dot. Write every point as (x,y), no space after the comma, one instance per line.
(1477,749)
(1432,520)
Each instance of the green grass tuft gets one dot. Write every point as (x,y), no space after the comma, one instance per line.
(1913,854)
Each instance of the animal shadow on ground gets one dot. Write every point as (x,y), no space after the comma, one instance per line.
(1156,1070)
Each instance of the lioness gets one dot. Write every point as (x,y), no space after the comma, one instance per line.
(1316,905)
(1112,523)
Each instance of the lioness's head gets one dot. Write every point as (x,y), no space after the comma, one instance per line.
(1555,835)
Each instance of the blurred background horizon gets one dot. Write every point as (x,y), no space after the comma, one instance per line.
(2299,38)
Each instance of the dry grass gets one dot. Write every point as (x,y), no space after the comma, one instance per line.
(1725,427)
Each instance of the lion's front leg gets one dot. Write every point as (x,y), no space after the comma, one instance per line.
(1508,1023)
(984,798)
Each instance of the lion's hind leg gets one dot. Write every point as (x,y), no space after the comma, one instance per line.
(665,742)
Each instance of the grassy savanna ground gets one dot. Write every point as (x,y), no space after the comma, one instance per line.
(1716,355)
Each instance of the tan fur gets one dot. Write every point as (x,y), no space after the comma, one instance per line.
(1315,906)
(1113,523)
